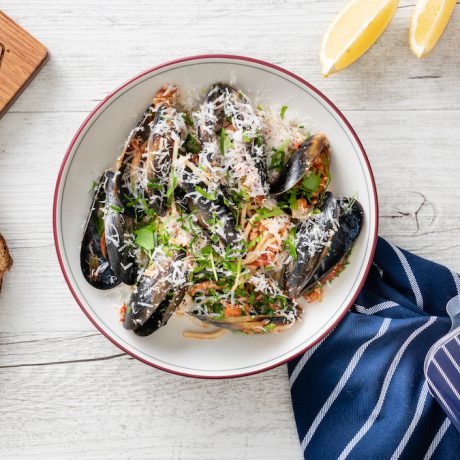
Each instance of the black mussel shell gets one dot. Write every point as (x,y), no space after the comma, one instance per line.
(93,256)
(119,229)
(350,224)
(151,290)
(299,271)
(298,164)
(161,316)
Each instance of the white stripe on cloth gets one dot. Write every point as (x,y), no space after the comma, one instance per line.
(451,358)
(456,281)
(446,406)
(375,308)
(410,275)
(303,360)
(386,383)
(456,339)
(418,414)
(342,382)
(444,376)
(437,439)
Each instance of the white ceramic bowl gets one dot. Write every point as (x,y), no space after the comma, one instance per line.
(95,148)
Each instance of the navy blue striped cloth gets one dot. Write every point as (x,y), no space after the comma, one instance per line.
(361,393)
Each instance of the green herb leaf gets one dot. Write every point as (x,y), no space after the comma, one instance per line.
(293,200)
(311,183)
(254,242)
(290,243)
(207,195)
(99,225)
(188,121)
(170,191)
(277,160)
(224,141)
(283,111)
(191,144)
(144,238)
(264,213)
(117,209)
(93,186)
(154,184)
(269,327)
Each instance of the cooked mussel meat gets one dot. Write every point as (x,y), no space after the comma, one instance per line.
(93,253)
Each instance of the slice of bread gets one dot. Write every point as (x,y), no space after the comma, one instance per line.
(5,259)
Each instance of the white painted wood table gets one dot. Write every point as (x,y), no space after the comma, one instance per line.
(66,392)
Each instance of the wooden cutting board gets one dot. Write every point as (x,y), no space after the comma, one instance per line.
(21,57)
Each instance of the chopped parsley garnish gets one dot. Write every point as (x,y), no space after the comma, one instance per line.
(269,327)
(171,188)
(154,184)
(145,237)
(259,141)
(277,161)
(99,225)
(206,194)
(187,120)
(254,242)
(191,144)
(224,141)
(290,244)
(265,213)
(310,183)
(117,209)
(283,111)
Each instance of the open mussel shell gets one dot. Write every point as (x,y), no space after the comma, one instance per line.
(129,163)
(350,224)
(93,255)
(158,165)
(119,229)
(213,216)
(149,294)
(298,164)
(147,154)
(163,313)
(257,324)
(299,271)
(212,113)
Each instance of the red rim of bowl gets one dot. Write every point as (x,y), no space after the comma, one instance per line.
(196,58)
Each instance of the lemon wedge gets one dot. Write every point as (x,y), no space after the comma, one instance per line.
(354,31)
(428,23)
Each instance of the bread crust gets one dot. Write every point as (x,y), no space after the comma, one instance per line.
(6,261)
